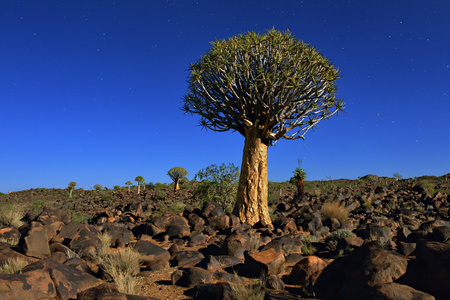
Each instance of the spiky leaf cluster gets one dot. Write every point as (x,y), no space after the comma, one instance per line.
(272,82)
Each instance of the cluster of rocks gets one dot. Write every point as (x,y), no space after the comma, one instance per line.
(392,252)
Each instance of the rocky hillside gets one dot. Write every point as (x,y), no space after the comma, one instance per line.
(372,238)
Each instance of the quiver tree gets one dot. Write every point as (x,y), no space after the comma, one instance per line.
(266,87)
(300,175)
(128,183)
(176,174)
(71,187)
(139,180)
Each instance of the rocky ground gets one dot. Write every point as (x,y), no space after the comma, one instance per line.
(372,238)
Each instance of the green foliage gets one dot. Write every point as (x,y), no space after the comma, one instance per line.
(150,185)
(117,187)
(331,242)
(72,185)
(36,206)
(177,173)
(397,176)
(160,186)
(271,78)
(107,197)
(1,194)
(98,187)
(299,173)
(160,195)
(80,217)
(218,184)
(40,190)
(139,179)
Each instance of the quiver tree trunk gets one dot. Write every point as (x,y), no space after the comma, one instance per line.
(177,185)
(251,203)
(300,188)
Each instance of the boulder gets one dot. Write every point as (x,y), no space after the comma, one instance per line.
(236,244)
(185,259)
(67,280)
(309,268)
(396,291)
(352,276)
(212,209)
(262,263)
(36,284)
(152,255)
(33,241)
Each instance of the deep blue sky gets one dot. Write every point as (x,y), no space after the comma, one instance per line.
(90,91)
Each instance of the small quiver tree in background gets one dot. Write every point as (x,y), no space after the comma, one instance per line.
(139,180)
(266,87)
(71,187)
(98,187)
(176,174)
(300,175)
(128,183)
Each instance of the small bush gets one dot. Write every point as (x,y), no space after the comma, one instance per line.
(36,206)
(80,217)
(160,195)
(11,215)
(334,209)
(105,244)
(244,291)
(123,265)
(12,266)
(332,240)
(107,197)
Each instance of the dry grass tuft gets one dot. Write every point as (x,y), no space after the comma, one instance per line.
(105,243)
(336,210)
(11,215)
(248,291)
(123,265)
(13,265)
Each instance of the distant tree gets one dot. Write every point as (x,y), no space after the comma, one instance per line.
(71,187)
(117,187)
(128,183)
(266,87)
(176,174)
(139,180)
(300,175)
(397,176)
(98,187)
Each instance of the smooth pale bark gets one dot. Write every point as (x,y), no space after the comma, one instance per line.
(139,188)
(177,186)
(251,203)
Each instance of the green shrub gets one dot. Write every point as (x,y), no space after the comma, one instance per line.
(36,206)
(160,195)
(331,242)
(80,217)
(107,197)
(218,184)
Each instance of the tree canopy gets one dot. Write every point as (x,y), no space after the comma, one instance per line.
(272,81)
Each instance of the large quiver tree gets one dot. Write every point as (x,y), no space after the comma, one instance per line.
(267,87)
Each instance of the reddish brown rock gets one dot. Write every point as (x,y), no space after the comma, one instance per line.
(36,284)
(67,280)
(351,277)
(396,291)
(33,241)
(309,268)
(264,263)
(152,255)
